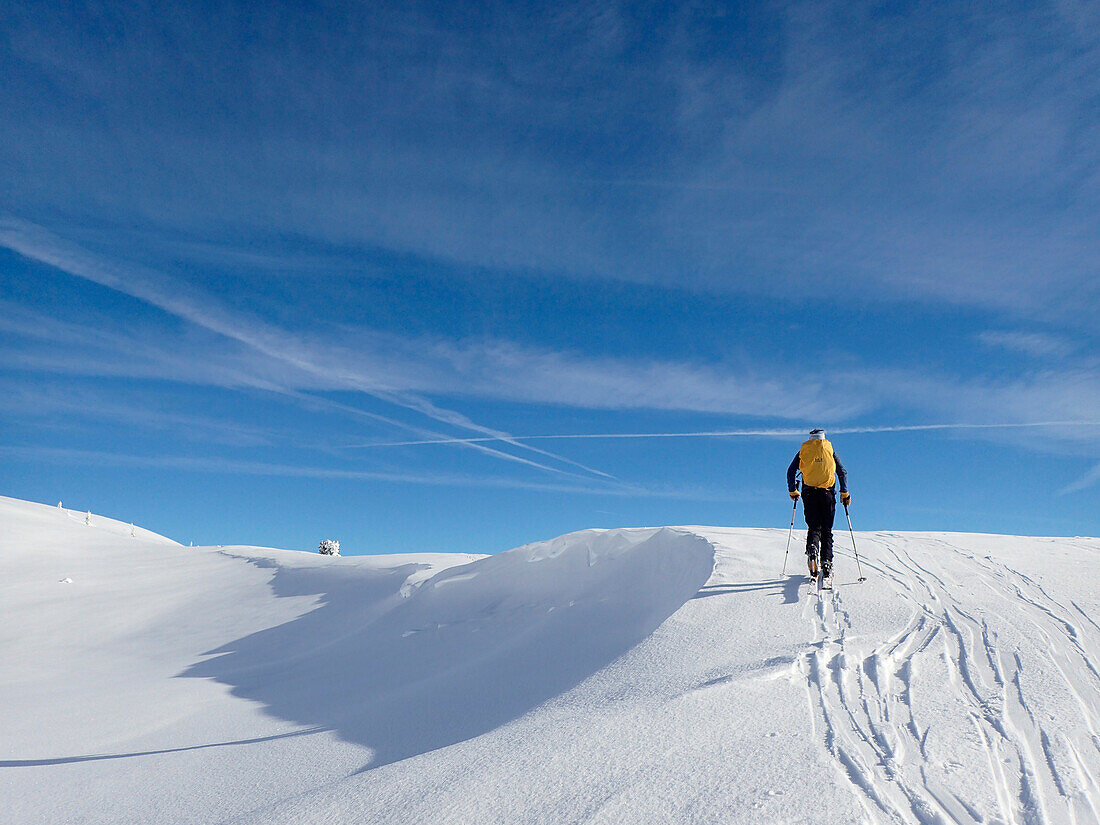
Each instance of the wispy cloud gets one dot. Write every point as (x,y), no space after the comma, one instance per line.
(187,303)
(410,371)
(695,492)
(1089,479)
(923,173)
(944,153)
(261,468)
(1034,344)
(34,403)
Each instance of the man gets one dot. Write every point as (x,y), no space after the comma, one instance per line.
(820,467)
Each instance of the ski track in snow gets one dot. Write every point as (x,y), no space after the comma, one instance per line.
(863,710)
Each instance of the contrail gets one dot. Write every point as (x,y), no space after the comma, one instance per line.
(218,465)
(33,242)
(759,433)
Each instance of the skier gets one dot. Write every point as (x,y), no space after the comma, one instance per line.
(820,467)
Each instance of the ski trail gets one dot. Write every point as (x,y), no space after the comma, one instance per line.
(1000,669)
(1072,647)
(850,717)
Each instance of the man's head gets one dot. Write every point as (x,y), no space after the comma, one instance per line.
(817,434)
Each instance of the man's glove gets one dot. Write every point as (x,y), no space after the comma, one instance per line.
(845,499)
(794,495)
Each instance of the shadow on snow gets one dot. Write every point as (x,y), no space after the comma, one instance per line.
(787,588)
(472,648)
(99,757)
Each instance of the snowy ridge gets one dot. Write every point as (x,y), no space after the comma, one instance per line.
(46,523)
(642,675)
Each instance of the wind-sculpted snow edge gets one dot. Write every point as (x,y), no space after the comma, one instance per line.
(404,670)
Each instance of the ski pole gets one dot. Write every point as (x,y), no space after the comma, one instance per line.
(789,534)
(862,578)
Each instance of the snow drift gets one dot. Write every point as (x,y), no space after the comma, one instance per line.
(406,668)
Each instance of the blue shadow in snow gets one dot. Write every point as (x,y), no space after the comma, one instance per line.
(99,757)
(787,588)
(471,649)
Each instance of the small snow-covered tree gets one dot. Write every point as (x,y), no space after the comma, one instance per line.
(329,547)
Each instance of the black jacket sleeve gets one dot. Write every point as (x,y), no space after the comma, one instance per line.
(841,474)
(792,485)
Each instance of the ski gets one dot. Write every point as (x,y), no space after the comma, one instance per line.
(824,581)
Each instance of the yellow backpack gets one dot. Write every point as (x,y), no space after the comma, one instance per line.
(817,464)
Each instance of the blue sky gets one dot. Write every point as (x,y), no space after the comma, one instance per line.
(249,256)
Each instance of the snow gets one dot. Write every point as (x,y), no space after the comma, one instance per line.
(637,675)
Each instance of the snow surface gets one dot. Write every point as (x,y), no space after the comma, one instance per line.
(643,675)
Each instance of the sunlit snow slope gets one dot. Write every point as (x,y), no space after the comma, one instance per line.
(649,675)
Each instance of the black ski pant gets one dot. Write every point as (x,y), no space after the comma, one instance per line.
(819,506)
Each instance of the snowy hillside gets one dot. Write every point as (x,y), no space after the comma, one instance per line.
(657,675)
